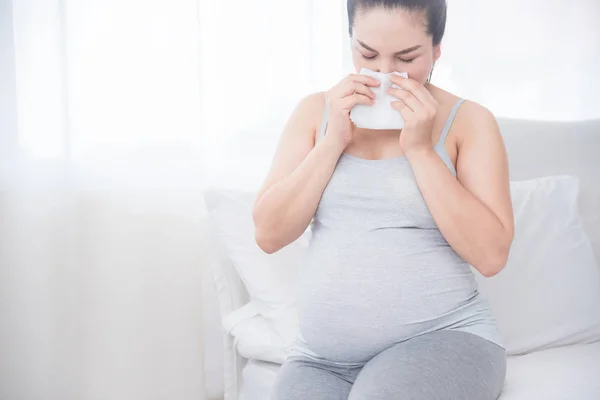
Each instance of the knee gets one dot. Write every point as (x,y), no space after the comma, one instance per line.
(286,385)
(358,395)
(366,393)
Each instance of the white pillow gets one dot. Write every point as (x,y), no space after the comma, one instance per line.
(264,328)
(548,295)
(263,338)
(269,278)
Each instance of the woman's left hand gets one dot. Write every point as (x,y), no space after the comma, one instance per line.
(418,109)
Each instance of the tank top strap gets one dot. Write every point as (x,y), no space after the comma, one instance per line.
(449,121)
(443,136)
(323,128)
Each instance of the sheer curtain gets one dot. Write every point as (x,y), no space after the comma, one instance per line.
(100,201)
(532,59)
(116,114)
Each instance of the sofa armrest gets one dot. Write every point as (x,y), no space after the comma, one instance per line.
(224,292)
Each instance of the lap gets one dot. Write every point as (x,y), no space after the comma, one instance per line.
(437,366)
(301,379)
(441,365)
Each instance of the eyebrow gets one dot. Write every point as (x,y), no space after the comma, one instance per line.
(398,53)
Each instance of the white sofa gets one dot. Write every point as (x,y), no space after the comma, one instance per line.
(572,372)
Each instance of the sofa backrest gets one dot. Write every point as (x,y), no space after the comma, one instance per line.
(539,148)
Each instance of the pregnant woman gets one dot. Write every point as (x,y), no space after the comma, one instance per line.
(388,303)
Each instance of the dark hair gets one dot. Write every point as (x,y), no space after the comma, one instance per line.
(435,12)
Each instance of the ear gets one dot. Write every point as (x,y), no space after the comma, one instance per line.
(437,52)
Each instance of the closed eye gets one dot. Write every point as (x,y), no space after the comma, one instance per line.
(399,59)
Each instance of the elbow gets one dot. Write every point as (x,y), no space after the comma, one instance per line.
(495,259)
(490,268)
(265,242)
(272,235)
(268,246)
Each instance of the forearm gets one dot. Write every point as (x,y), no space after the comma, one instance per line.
(284,211)
(470,227)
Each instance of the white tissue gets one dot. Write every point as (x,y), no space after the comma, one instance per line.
(380,115)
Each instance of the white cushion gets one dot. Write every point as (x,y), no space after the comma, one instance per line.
(263,338)
(543,148)
(548,295)
(258,378)
(563,373)
(264,328)
(269,278)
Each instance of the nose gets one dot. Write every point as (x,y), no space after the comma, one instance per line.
(386,67)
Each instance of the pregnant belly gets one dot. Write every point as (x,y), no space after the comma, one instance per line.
(359,296)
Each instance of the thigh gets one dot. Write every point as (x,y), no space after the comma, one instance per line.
(302,379)
(443,365)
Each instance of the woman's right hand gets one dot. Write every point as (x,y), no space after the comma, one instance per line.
(352,90)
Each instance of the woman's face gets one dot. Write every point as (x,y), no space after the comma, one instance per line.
(393,40)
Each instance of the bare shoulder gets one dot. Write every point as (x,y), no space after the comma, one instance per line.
(316,99)
(475,122)
(306,116)
(311,107)
(471,118)
(475,115)
(313,102)
(297,139)
(478,141)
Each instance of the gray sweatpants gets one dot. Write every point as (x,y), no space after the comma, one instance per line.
(441,365)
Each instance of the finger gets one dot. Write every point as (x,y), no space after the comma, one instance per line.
(410,101)
(365,80)
(414,87)
(397,93)
(349,102)
(404,83)
(407,97)
(403,109)
(357,87)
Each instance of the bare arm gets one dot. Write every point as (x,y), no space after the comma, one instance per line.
(301,170)
(473,212)
(299,173)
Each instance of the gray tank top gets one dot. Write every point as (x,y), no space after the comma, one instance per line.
(378,270)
